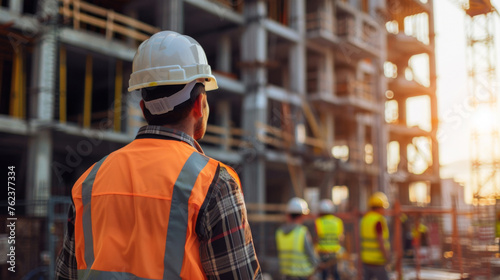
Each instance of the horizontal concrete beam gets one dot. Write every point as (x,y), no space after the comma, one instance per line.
(223,155)
(28,24)
(220,10)
(231,85)
(282,31)
(283,95)
(13,125)
(97,133)
(96,43)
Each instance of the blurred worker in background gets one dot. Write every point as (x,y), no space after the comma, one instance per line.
(294,243)
(159,208)
(420,234)
(374,234)
(329,235)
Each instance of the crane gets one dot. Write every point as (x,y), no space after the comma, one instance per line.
(481,71)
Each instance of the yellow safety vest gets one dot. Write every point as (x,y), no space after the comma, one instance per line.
(291,252)
(329,228)
(418,233)
(498,229)
(370,251)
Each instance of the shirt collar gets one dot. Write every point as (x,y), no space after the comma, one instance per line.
(168,133)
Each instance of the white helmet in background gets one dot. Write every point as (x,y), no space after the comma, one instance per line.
(326,206)
(297,205)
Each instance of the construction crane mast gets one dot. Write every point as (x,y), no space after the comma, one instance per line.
(483,87)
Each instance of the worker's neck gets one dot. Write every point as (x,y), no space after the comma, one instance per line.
(182,126)
(378,210)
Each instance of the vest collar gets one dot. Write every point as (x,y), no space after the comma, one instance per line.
(156,131)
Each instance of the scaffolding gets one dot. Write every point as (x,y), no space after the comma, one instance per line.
(485,141)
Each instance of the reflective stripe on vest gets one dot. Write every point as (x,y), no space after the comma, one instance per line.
(117,231)
(328,228)
(178,221)
(86,216)
(370,251)
(291,252)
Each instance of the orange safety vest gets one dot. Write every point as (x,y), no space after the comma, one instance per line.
(136,212)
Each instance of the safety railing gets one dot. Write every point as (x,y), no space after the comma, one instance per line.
(236,5)
(360,30)
(108,20)
(346,26)
(226,137)
(280,139)
(318,82)
(320,21)
(358,89)
(426,242)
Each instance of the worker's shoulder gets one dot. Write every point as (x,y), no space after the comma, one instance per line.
(226,172)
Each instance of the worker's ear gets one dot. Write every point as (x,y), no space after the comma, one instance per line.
(199,103)
(142,107)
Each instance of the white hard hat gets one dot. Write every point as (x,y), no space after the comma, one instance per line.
(326,206)
(169,58)
(297,205)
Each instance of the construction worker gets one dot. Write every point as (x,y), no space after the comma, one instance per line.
(294,243)
(329,235)
(420,235)
(497,231)
(497,225)
(374,234)
(159,208)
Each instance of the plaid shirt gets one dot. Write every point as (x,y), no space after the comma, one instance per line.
(226,244)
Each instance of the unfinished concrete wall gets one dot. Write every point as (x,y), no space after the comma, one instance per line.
(411,39)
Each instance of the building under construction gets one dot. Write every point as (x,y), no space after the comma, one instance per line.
(314,99)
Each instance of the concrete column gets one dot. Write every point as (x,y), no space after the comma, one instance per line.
(171,15)
(45,71)
(435,188)
(403,154)
(255,103)
(297,55)
(380,129)
(39,172)
(360,135)
(16,6)
(330,77)
(362,194)
(329,129)
(223,118)
(224,54)
(328,7)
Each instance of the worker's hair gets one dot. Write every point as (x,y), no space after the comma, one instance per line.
(180,111)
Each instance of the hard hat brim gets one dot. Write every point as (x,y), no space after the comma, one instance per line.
(209,85)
